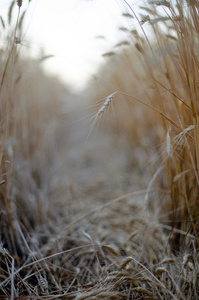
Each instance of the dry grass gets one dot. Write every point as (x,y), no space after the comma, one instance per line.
(164,79)
(142,245)
(29,107)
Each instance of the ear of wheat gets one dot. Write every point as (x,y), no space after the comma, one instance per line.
(103,109)
(19,3)
(106,104)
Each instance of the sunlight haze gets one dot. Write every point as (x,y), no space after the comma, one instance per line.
(75,32)
(69,31)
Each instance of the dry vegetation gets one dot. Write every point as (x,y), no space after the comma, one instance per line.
(156,95)
(142,245)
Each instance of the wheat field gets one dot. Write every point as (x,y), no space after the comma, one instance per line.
(105,208)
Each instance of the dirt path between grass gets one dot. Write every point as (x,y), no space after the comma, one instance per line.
(97,233)
(97,168)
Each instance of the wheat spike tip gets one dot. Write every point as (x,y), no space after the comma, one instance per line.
(19,3)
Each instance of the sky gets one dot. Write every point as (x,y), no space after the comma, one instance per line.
(75,32)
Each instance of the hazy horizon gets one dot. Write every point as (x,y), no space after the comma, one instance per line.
(69,32)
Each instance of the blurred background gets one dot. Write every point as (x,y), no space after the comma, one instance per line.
(75,32)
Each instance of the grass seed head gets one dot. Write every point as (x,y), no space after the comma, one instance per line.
(125,262)
(19,3)
(106,104)
(169,146)
(160,271)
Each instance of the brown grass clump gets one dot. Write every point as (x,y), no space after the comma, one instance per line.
(163,76)
(29,106)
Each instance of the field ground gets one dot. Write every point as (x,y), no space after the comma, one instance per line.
(98,192)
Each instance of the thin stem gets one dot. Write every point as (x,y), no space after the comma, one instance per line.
(12,49)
